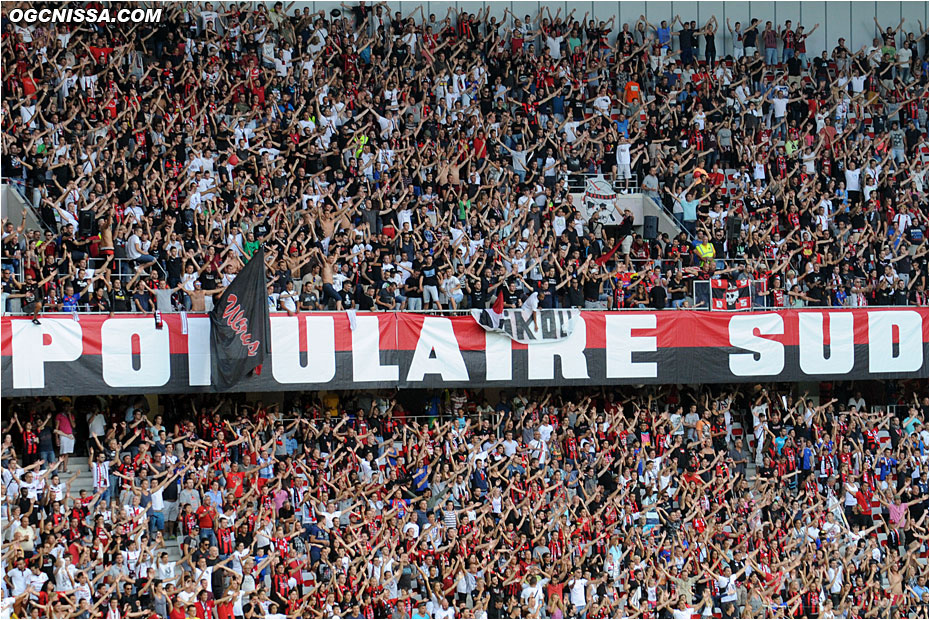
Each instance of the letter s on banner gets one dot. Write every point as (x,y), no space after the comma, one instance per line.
(116,336)
(881,341)
(771,360)
(30,351)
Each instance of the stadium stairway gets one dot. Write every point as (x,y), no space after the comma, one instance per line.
(85,481)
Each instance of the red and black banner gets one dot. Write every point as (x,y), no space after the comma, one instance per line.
(126,354)
(726,295)
(239,334)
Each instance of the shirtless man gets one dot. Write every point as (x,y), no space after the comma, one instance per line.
(105,225)
(329,291)
(329,217)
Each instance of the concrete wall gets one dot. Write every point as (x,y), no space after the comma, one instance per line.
(12,206)
(850,20)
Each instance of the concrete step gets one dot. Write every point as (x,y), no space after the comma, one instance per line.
(85,481)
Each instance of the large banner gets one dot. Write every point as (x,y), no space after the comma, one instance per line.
(314,351)
(239,337)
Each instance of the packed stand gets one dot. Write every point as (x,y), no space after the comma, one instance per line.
(415,161)
(662,502)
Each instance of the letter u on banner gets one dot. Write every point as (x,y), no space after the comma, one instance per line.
(320,344)
(811,341)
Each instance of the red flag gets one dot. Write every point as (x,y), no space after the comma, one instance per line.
(498,307)
(603,258)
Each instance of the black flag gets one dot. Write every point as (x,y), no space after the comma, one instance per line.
(240,326)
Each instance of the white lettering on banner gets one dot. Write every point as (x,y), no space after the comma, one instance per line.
(541,356)
(811,341)
(116,336)
(198,350)
(30,352)
(320,345)
(882,356)
(366,352)
(437,335)
(621,343)
(771,354)
(498,357)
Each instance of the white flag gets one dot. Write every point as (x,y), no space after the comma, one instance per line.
(351,315)
(530,305)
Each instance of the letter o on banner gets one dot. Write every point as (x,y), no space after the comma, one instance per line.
(116,336)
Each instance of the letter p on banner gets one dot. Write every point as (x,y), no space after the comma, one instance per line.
(55,340)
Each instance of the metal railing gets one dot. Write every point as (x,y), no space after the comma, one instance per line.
(578,182)
(443,312)
(757,299)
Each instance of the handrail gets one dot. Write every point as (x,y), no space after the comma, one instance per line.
(458,312)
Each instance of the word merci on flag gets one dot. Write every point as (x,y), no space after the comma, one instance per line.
(528,324)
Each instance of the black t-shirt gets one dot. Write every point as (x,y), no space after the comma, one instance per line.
(208,279)
(347,301)
(658,297)
(365,302)
(591,289)
(687,38)
(429,275)
(170,493)
(32,294)
(575,296)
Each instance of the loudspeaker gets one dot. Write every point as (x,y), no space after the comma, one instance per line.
(87,223)
(734,225)
(650,227)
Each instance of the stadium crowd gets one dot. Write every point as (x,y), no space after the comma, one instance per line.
(574,503)
(416,161)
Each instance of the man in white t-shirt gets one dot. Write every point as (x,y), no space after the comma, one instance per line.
(578,594)
(554,44)
(165,570)
(19,577)
(444,611)
(623,159)
(533,592)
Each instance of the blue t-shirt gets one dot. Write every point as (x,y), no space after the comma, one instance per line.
(623,127)
(69,303)
(690,209)
(665,36)
(780,443)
